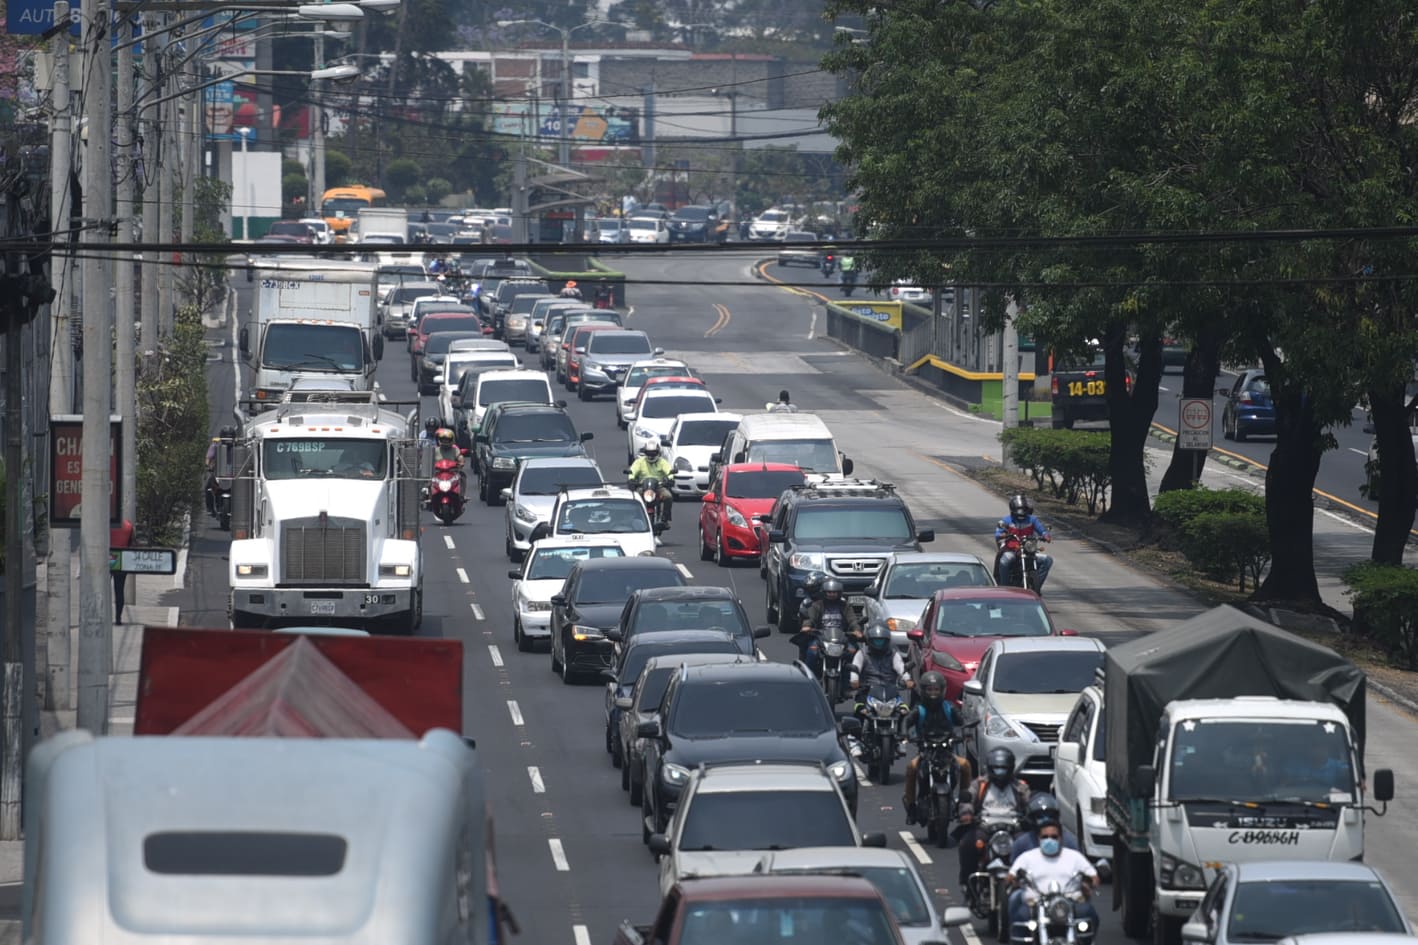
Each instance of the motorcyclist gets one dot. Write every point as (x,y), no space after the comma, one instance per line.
(210,489)
(650,464)
(994,795)
(877,664)
(603,297)
(847,265)
(832,612)
(430,428)
(1051,862)
(1021,518)
(1042,808)
(812,591)
(569,291)
(446,447)
(933,717)
(784,404)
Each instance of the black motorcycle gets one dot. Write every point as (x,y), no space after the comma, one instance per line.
(834,649)
(985,888)
(220,478)
(883,718)
(938,786)
(1053,919)
(648,489)
(849,281)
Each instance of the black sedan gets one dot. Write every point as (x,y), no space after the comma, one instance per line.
(590,603)
(660,609)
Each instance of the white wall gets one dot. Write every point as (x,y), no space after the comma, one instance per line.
(255,185)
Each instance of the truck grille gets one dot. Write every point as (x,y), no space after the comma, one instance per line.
(855,567)
(328,552)
(1044,731)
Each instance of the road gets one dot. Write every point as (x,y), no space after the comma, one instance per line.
(569,849)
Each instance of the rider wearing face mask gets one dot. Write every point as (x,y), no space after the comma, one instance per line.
(1051,863)
(1043,809)
(831,611)
(995,795)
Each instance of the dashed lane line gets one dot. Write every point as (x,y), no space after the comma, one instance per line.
(477,612)
(496,655)
(448,542)
(535,774)
(581,934)
(558,855)
(462,575)
(516,712)
(918,851)
(688,575)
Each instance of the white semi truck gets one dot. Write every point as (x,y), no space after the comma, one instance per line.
(325,515)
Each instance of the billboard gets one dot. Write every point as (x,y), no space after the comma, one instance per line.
(886,313)
(66,470)
(605,124)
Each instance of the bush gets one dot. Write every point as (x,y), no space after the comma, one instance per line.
(400,176)
(294,187)
(172,430)
(438,190)
(337,168)
(415,195)
(1068,464)
(1228,546)
(1386,608)
(1179,506)
(289,166)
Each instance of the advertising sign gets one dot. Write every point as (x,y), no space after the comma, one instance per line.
(606,124)
(887,313)
(66,470)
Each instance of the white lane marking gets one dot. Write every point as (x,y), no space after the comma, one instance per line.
(581,934)
(689,575)
(558,855)
(918,851)
(535,773)
(812,328)
(861,772)
(630,311)
(448,542)
(1363,453)
(462,575)
(495,653)
(477,612)
(968,932)
(179,578)
(516,713)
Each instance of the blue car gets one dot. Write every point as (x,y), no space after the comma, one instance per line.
(1249,409)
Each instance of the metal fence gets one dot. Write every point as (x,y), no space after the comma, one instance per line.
(874,338)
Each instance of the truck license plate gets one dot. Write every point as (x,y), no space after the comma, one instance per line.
(323,608)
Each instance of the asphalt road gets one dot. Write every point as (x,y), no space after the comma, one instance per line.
(569,851)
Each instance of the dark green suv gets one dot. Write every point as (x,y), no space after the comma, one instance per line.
(512,432)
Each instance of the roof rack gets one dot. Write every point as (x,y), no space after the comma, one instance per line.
(844,487)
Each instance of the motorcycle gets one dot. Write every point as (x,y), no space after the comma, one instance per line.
(985,888)
(849,281)
(648,489)
(882,720)
(603,299)
(835,657)
(1024,542)
(445,492)
(1054,916)
(938,784)
(829,264)
(220,479)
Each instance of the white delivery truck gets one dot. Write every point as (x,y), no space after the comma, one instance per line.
(389,223)
(325,515)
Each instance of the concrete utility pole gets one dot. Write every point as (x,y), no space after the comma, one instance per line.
(124,311)
(564,122)
(167,171)
(1009,366)
(317,132)
(154,43)
(12,669)
(191,150)
(96,586)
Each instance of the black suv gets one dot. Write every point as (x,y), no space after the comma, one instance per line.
(588,604)
(687,608)
(698,225)
(844,528)
(516,431)
(738,712)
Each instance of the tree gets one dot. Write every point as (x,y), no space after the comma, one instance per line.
(337,168)
(437,189)
(399,176)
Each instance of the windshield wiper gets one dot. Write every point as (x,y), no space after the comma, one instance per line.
(325,358)
(1321,805)
(1220,800)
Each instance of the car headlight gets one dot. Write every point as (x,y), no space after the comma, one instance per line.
(504,462)
(735,517)
(445,485)
(806,561)
(593,366)
(1098,806)
(944,660)
(841,770)
(1179,874)
(251,570)
(525,514)
(683,465)
(900,624)
(395,570)
(997,726)
(674,774)
(538,605)
(644,434)
(583,632)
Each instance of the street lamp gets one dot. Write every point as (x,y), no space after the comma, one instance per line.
(245,132)
(732,94)
(565,152)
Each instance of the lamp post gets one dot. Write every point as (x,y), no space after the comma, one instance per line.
(732,94)
(564,155)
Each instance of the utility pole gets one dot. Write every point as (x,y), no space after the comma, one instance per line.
(96,586)
(190,150)
(167,171)
(124,311)
(154,44)
(12,670)
(519,187)
(1010,369)
(564,155)
(317,131)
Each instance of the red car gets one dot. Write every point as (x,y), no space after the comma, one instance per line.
(960,623)
(573,343)
(737,494)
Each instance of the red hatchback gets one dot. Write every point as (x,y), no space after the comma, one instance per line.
(737,494)
(960,623)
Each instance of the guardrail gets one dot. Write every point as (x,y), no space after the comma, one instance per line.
(862,329)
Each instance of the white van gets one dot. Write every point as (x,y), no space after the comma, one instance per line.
(798,438)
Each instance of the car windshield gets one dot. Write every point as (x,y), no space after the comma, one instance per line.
(298,347)
(655,616)
(540,427)
(439,342)
(637,656)
(1046,671)
(510,290)
(609,226)
(1263,761)
(602,516)
(637,376)
(529,389)
(897,885)
(342,206)
(618,344)
(549,480)
(644,224)
(674,405)
(704,432)
(692,213)
(773,216)
(809,920)
(456,369)
(992,618)
(912,581)
(582,318)
(1275,909)
(725,707)
(407,293)
(813,455)
(554,564)
(762,483)
(616,586)
(885,522)
(432,325)
(766,820)
(323,458)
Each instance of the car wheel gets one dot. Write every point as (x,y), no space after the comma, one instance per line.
(524,645)
(617,759)
(1225,428)
(721,554)
(490,491)
(583,394)
(413,370)
(787,622)
(568,676)
(645,814)
(637,788)
(1238,432)
(555,663)
(625,776)
(609,749)
(705,552)
(514,554)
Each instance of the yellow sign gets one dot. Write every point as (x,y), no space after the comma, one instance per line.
(885,313)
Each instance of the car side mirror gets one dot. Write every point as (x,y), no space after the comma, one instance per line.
(954,916)
(624,703)
(762,633)
(1223,392)
(1195,931)
(852,726)
(558,600)
(505,494)
(739,457)
(1383,785)
(659,844)
(710,497)
(614,634)
(925,535)
(244,341)
(609,676)
(874,839)
(777,536)
(718,400)
(916,635)
(650,728)
(560,404)
(973,687)
(1144,780)
(847,466)
(587,436)
(1067,753)
(515,574)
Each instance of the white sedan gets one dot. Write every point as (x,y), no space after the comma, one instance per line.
(634,379)
(648,230)
(542,574)
(694,439)
(658,411)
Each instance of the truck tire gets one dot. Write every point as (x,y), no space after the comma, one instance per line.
(1133,875)
(1166,930)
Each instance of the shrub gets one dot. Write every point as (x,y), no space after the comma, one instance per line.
(1068,464)
(1179,506)
(337,168)
(1228,546)
(415,195)
(1386,608)
(400,176)
(294,187)
(438,189)
(172,430)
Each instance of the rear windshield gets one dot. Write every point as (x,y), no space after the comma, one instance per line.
(549,480)
(530,389)
(762,484)
(553,564)
(661,407)
(637,376)
(457,369)
(406,293)
(615,587)
(766,820)
(603,343)
(434,324)
(638,656)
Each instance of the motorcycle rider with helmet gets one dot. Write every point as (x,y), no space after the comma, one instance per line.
(1051,862)
(831,612)
(569,291)
(877,664)
(934,717)
(447,449)
(650,464)
(430,428)
(995,795)
(1042,808)
(1021,518)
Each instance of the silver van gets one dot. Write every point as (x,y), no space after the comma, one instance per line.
(244,840)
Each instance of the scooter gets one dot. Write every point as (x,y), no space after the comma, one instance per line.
(1054,917)
(829,264)
(1024,542)
(445,492)
(882,719)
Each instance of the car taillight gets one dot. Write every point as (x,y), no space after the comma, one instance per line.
(1054,385)
(1245,397)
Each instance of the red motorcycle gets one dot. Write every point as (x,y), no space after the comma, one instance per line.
(1023,541)
(603,298)
(445,492)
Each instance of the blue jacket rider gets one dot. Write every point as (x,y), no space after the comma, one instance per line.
(1021,516)
(935,717)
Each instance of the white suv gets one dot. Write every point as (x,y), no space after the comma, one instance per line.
(613,512)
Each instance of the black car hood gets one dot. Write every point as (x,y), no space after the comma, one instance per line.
(600,616)
(692,752)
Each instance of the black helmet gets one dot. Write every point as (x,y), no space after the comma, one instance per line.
(431,424)
(832,586)
(783,397)
(878,636)
(999,763)
(932,687)
(1043,811)
(813,585)
(1019,506)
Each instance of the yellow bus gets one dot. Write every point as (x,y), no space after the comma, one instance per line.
(340,206)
